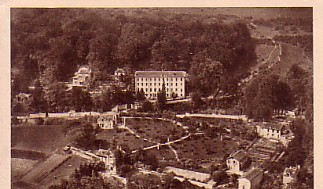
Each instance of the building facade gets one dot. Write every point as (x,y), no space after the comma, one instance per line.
(272,130)
(82,77)
(108,120)
(151,82)
(251,180)
(290,176)
(237,161)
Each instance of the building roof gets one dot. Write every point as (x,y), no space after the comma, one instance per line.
(119,70)
(291,170)
(239,155)
(276,126)
(202,177)
(160,74)
(253,173)
(107,114)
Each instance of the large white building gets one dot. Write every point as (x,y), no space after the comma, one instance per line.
(151,82)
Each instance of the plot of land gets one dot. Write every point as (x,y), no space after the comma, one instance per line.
(42,170)
(46,139)
(63,171)
(292,55)
(123,138)
(155,130)
(199,148)
(20,167)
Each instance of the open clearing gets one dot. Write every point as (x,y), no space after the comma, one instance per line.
(46,139)
(292,55)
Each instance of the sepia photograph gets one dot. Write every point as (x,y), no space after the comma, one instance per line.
(161,98)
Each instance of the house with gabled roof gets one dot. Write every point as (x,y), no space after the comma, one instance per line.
(251,179)
(108,120)
(237,161)
(269,130)
(82,77)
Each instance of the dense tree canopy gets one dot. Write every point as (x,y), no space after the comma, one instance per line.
(49,44)
(265,95)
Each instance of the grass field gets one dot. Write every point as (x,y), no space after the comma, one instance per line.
(155,130)
(262,52)
(46,139)
(292,55)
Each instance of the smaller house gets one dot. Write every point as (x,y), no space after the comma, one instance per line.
(237,161)
(108,158)
(108,120)
(277,132)
(290,176)
(81,77)
(23,98)
(270,130)
(251,179)
(119,72)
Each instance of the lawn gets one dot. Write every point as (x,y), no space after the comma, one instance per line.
(155,130)
(45,139)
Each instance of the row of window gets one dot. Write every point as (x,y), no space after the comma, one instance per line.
(159,79)
(154,95)
(159,84)
(273,130)
(157,90)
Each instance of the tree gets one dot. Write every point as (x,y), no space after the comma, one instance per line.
(81,135)
(38,103)
(205,76)
(266,94)
(56,97)
(140,96)
(161,98)
(147,106)
(197,100)
(80,100)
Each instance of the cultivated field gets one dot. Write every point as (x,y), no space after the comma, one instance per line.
(155,130)
(63,171)
(20,167)
(122,138)
(200,148)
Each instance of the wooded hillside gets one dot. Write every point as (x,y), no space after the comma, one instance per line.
(50,44)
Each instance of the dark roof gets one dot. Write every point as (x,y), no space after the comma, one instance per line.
(276,126)
(160,74)
(253,173)
(239,155)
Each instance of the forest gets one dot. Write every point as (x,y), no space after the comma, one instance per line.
(50,44)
